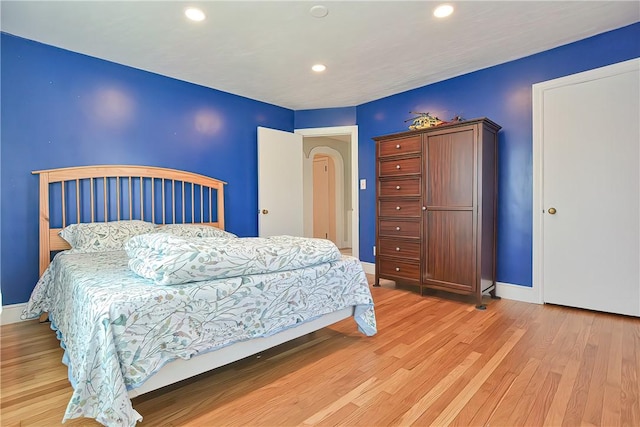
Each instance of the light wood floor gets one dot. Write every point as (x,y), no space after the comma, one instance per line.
(435,361)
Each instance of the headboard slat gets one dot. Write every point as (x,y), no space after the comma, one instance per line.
(93,201)
(64,206)
(78,219)
(104,195)
(153,205)
(184,201)
(164,215)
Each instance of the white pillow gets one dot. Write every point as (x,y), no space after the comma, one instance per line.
(194,230)
(103,236)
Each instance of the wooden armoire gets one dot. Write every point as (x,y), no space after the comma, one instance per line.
(436,197)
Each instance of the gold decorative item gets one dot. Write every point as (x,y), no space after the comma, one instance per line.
(423,120)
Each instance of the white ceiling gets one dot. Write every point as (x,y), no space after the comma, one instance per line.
(264,49)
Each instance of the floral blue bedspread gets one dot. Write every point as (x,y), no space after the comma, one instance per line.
(118,329)
(171,260)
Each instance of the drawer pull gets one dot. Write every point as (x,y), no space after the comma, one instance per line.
(397,208)
(397,268)
(398,146)
(424,208)
(397,249)
(398,167)
(397,187)
(397,228)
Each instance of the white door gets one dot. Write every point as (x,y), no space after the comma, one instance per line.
(280,205)
(320,197)
(590,200)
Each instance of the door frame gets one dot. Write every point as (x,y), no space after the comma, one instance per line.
(538,90)
(352,131)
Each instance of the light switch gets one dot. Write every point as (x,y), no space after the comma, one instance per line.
(363,184)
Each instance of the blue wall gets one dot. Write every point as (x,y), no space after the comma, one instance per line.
(503,94)
(61,108)
(325,117)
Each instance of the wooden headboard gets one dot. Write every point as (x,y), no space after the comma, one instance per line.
(122,192)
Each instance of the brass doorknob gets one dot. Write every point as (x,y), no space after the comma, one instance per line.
(552,211)
(265,211)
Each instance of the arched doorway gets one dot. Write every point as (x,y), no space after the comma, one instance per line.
(324,197)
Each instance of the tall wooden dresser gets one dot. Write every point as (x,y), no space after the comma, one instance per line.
(436,198)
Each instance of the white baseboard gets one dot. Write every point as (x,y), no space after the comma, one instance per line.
(368,267)
(503,290)
(11,313)
(518,293)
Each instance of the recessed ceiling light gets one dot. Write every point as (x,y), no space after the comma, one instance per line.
(443,11)
(319,11)
(318,68)
(194,14)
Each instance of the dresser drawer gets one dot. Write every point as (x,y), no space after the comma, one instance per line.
(409,166)
(391,228)
(401,208)
(394,147)
(400,269)
(399,248)
(400,187)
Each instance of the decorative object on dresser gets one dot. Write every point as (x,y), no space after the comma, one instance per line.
(423,120)
(436,199)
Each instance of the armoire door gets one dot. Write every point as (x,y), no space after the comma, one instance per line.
(450,217)
(590,198)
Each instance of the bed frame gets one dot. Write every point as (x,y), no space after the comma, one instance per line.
(159,195)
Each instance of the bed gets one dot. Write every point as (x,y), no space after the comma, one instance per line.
(152,289)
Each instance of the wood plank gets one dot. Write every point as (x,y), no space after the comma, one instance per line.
(467,393)
(630,404)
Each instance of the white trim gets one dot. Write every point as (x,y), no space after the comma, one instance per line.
(11,313)
(538,90)
(368,267)
(355,217)
(517,293)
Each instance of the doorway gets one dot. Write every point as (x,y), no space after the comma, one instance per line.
(340,145)
(327,195)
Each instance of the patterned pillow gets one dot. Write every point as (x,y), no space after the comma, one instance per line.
(194,230)
(103,236)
